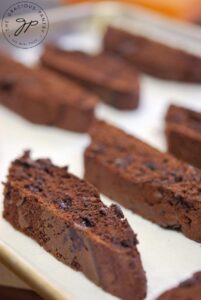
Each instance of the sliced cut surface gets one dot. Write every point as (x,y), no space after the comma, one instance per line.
(183,132)
(153,184)
(65,215)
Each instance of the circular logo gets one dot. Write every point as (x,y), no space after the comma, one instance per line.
(25,24)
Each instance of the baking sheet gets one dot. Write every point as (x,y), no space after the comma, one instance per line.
(7,278)
(168,257)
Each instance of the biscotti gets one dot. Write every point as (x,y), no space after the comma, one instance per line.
(153,57)
(45,98)
(65,215)
(183,132)
(153,184)
(187,290)
(113,81)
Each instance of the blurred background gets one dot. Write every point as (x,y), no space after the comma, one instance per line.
(189,10)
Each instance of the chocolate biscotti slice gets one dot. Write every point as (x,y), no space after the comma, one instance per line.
(65,215)
(42,97)
(153,184)
(106,75)
(187,290)
(183,132)
(152,57)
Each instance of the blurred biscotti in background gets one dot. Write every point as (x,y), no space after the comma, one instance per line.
(153,57)
(181,9)
(109,77)
(42,97)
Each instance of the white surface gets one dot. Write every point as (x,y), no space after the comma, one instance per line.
(168,257)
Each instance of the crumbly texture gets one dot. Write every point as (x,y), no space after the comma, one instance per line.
(106,75)
(183,132)
(154,185)
(43,97)
(152,57)
(65,215)
(187,290)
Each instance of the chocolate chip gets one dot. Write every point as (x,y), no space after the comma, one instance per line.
(7,193)
(7,84)
(151,165)
(117,210)
(103,211)
(175,227)
(178,178)
(126,243)
(64,203)
(179,200)
(87,222)
(34,188)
